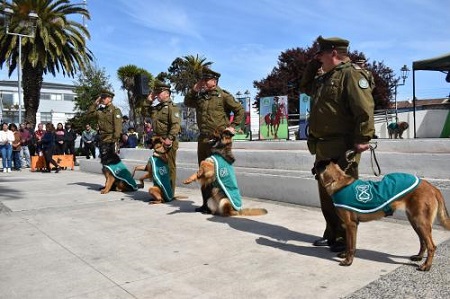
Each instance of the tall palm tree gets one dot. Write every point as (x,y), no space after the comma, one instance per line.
(59,45)
(184,72)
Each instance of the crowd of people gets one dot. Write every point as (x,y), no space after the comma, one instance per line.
(18,145)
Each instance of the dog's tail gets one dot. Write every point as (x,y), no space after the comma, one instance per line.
(442,210)
(252,212)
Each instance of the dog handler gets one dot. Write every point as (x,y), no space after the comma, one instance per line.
(166,124)
(341,119)
(213,106)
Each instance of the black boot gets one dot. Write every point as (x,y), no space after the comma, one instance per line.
(206,193)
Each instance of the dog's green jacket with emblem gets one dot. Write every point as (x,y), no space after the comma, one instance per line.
(226,181)
(161,177)
(369,197)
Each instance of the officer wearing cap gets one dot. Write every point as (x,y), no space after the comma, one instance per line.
(341,119)
(109,119)
(213,106)
(166,123)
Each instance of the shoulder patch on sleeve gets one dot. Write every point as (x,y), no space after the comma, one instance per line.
(363,83)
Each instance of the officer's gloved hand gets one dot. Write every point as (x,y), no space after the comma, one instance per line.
(229,130)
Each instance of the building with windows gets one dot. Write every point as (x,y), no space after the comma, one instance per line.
(57,103)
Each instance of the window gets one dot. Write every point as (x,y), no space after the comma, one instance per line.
(7,99)
(69,97)
(46,117)
(51,96)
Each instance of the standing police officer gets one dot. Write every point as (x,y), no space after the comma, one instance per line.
(109,126)
(166,124)
(213,106)
(341,119)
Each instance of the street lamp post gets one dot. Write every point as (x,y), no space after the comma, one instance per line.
(29,23)
(405,72)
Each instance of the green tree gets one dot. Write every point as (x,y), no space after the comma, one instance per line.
(87,87)
(185,71)
(59,45)
(285,77)
(127,75)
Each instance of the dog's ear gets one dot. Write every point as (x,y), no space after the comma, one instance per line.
(319,167)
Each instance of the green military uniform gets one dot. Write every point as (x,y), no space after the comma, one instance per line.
(341,115)
(167,124)
(109,126)
(213,109)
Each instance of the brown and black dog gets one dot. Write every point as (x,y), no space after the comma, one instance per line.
(160,151)
(219,203)
(112,183)
(422,204)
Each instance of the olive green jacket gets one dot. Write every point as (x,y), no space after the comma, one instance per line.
(166,120)
(214,109)
(342,104)
(109,122)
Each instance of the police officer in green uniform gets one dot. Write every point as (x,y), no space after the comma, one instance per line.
(213,106)
(341,119)
(109,120)
(166,123)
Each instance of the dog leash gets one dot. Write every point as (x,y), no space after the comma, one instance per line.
(350,157)
(373,159)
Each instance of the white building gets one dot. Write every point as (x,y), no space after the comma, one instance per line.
(56,104)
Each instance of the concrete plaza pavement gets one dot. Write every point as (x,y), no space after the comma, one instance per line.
(61,238)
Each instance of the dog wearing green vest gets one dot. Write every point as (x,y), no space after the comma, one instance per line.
(421,200)
(217,171)
(157,171)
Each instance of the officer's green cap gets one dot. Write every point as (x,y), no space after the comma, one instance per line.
(159,86)
(208,73)
(332,43)
(104,93)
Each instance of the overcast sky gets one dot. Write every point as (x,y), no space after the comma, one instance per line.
(244,38)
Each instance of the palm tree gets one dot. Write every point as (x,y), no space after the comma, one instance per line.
(127,75)
(59,45)
(185,72)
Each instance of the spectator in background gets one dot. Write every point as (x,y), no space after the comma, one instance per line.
(132,138)
(6,140)
(31,143)
(125,124)
(48,144)
(38,134)
(59,140)
(148,133)
(89,138)
(25,141)
(16,147)
(69,138)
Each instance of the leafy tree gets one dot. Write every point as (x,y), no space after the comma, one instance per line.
(184,72)
(127,75)
(87,87)
(286,76)
(59,45)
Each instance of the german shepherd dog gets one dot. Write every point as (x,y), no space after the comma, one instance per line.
(109,157)
(160,151)
(219,203)
(422,205)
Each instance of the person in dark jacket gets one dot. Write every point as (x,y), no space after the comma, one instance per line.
(48,145)
(59,140)
(70,136)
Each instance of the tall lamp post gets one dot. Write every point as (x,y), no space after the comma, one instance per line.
(405,72)
(29,23)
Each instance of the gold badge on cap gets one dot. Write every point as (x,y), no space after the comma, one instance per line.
(363,83)
(118,116)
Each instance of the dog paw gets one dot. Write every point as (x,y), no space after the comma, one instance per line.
(345,263)
(424,267)
(103,191)
(415,258)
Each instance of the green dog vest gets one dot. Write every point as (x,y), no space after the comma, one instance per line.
(368,197)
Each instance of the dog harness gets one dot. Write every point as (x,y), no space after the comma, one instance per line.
(121,172)
(368,197)
(226,180)
(161,176)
